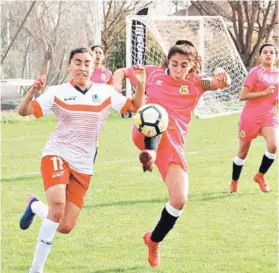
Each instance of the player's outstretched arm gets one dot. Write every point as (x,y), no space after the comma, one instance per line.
(246,93)
(140,77)
(118,77)
(25,107)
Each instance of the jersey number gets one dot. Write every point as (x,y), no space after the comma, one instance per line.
(57,163)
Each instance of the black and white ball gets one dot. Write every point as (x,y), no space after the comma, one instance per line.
(151,119)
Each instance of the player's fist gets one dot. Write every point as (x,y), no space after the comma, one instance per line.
(139,73)
(39,84)
(270,90)
(222,76)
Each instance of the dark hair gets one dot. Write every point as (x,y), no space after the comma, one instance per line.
(267,44)
(185,47)
(81,49)
(95,46)
(184,42)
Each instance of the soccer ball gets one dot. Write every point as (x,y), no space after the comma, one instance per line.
(151,119)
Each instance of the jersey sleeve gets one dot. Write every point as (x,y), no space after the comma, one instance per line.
(251,78)
(43,104)
(119,102)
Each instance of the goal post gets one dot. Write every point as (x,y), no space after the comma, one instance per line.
(148,40)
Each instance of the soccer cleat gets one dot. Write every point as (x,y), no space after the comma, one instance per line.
(147,159)
(153,250)
(234,186)
(259,178)
(28,215)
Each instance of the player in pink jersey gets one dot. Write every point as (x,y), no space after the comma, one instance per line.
(177,86)
(259,115)
(80,108)
(100,73)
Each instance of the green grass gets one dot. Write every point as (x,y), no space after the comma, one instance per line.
(218,232)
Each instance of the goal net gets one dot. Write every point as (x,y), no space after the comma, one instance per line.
(148,40)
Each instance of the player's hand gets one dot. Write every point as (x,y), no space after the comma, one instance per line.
(39,84)
(270,90)
(139,73)
(222,76)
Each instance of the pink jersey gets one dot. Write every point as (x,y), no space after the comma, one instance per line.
(258,80)
(102,75)
(179,98)
(80,118)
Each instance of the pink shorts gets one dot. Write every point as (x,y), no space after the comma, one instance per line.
(168,152)
(250,129)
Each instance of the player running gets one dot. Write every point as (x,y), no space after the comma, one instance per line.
(100,73)
(177,86)
(81,108)
(259,116)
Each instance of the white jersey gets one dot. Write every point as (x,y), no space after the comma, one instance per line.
(80,118)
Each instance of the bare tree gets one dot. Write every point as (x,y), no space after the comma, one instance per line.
(251,23)
(114,13)
(62,25)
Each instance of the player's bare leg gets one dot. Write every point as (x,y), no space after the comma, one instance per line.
(238,163)
(270,135)
(177,183)
(56,197)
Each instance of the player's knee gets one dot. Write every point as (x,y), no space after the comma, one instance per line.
(179,202)
(65,229)
(56,211)
(243,154)
(272,148)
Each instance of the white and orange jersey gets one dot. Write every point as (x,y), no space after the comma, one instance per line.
(80,117)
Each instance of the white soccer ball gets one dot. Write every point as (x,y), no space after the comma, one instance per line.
(151,119)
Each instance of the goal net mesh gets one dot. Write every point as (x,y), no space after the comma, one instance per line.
(150,38)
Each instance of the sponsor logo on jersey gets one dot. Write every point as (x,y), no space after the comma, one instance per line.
(70,98)
(58,174)
(184,90)
(159,83)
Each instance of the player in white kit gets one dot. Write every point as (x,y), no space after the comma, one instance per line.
(81,108)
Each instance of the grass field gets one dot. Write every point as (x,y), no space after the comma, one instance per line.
(219,232)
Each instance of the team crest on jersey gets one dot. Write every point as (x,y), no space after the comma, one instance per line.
(184,90)
(103,77)
(95,97)
(242,134)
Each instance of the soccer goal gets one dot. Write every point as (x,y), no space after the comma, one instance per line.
(148,40)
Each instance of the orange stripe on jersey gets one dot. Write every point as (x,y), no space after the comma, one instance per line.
(110,81)
(125,108)
(81,107)
(37,108)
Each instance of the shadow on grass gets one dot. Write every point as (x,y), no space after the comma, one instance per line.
(128,203)
(218,195)
(203,197)
(21,178)
(116,270)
